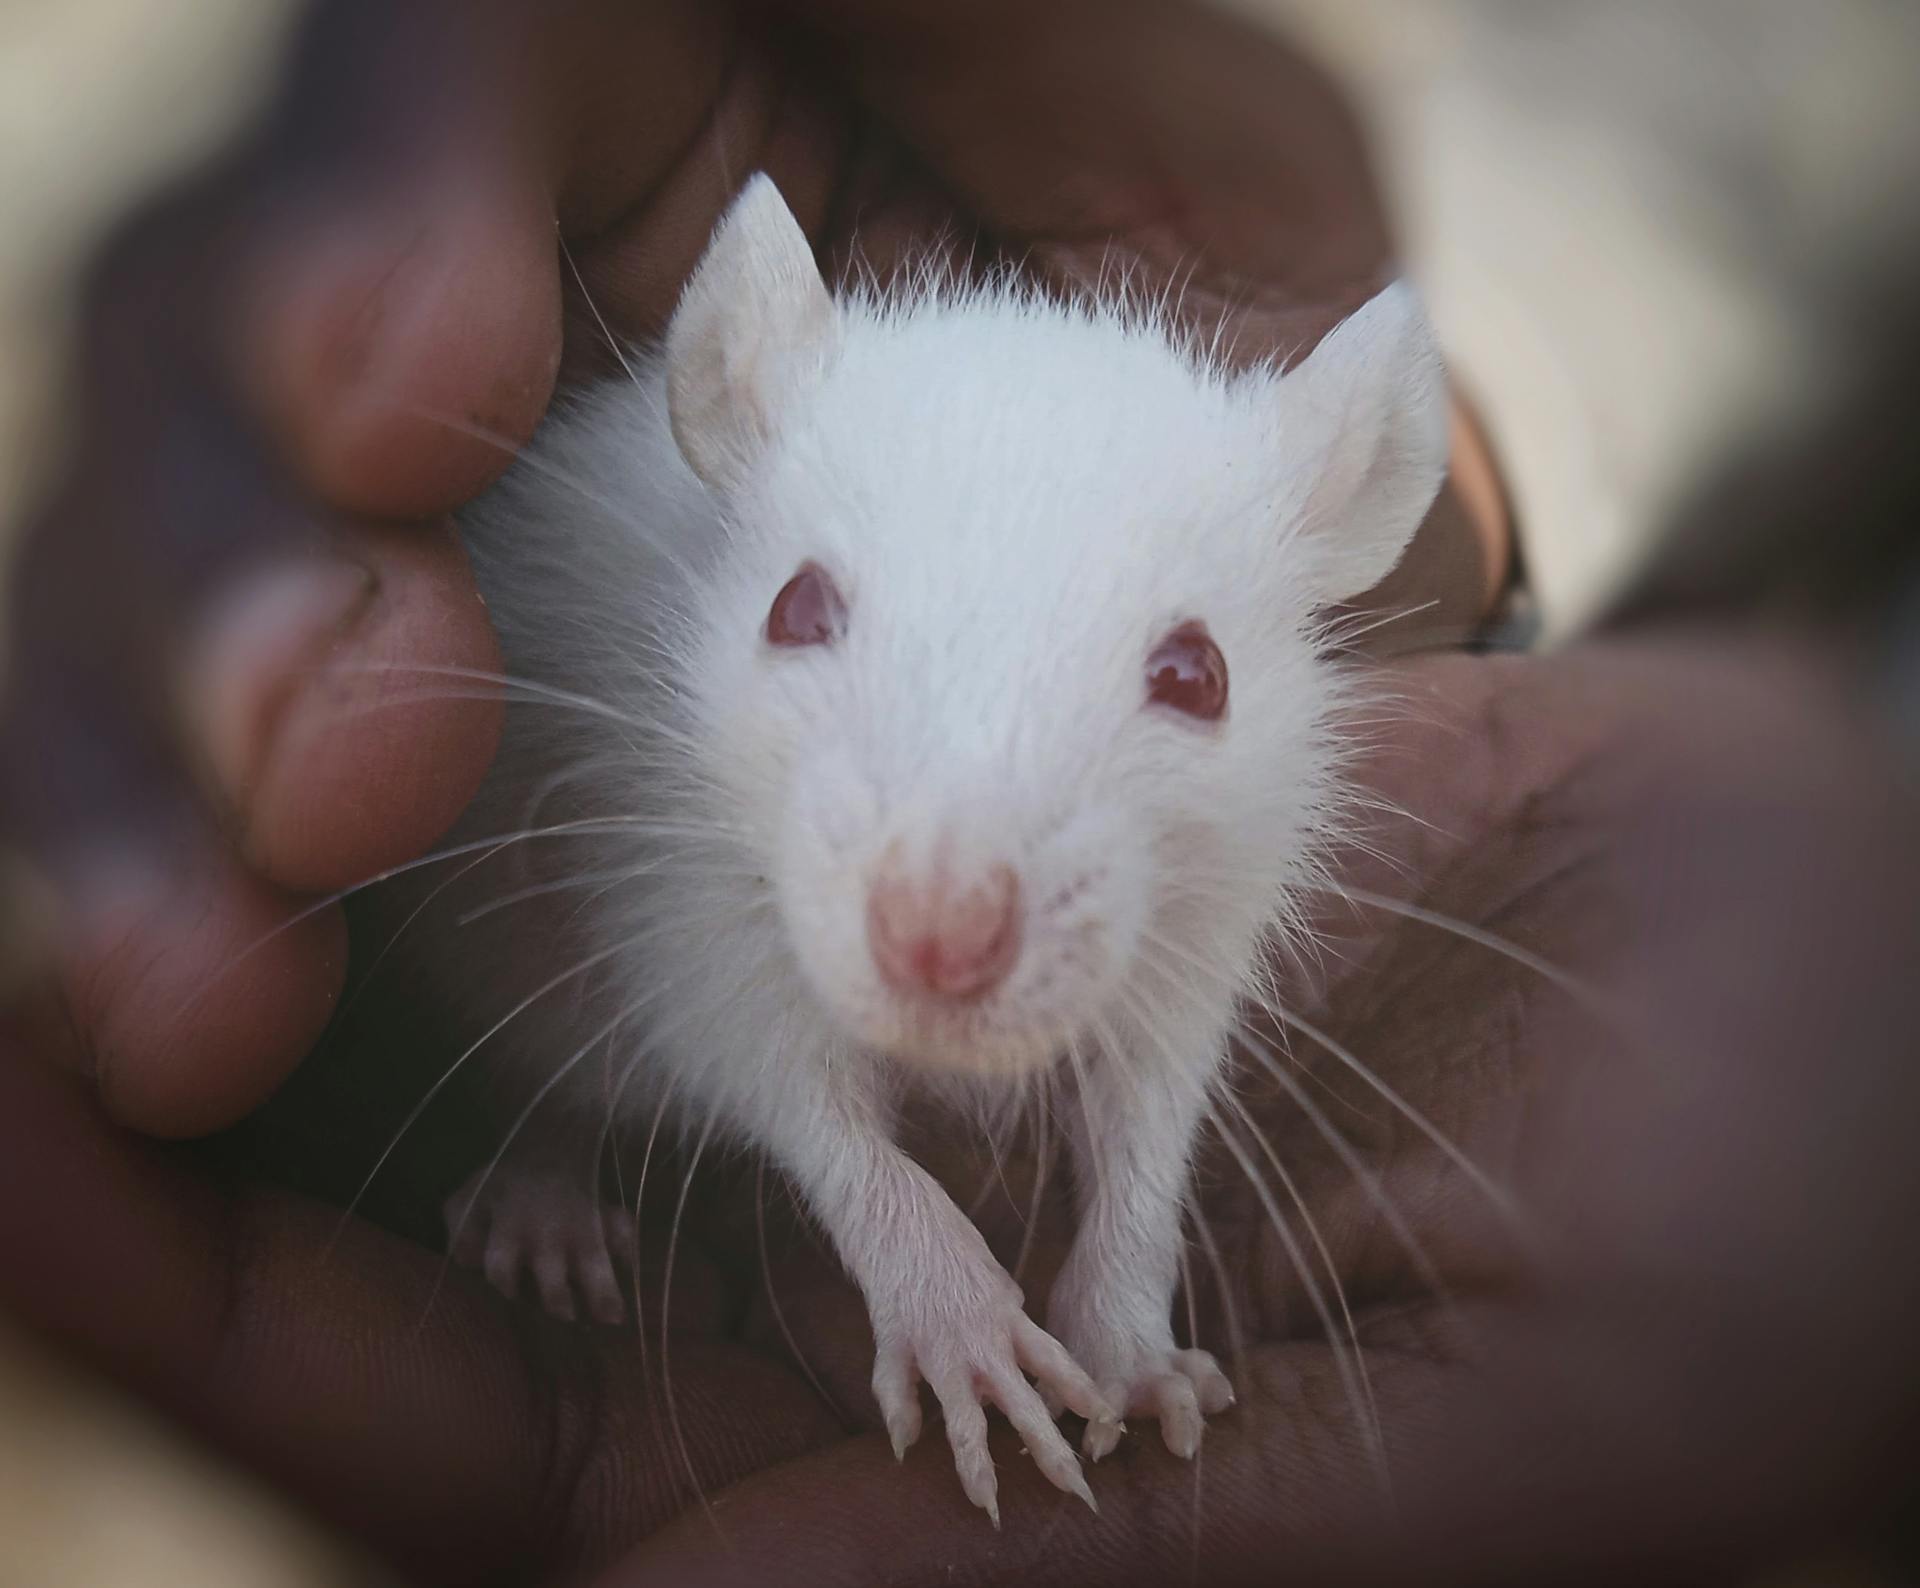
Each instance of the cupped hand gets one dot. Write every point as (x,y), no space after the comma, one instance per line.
(1618,1214)
(234,629)
(1591,1128)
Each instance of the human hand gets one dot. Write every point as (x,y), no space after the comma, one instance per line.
(1656,991)
(294,371)
(1689,1350)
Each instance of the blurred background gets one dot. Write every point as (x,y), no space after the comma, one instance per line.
(1650,231)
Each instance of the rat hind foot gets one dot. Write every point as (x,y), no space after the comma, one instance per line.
(1178,1389)
(519,1221)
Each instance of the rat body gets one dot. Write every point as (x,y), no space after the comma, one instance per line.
(918,692)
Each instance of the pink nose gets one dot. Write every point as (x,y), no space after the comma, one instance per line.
(941,938)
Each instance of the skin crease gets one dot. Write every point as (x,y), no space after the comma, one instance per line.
(484,1445)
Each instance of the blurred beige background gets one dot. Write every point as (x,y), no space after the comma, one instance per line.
(1638,223)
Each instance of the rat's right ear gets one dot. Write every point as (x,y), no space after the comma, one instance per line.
(1365,417)
(754,324)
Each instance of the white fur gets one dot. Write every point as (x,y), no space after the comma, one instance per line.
(1017,499)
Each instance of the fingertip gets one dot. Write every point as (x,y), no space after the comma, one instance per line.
(195,989)
(403,346)
(346,709)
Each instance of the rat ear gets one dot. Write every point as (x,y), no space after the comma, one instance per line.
(754,322)
(1366,414)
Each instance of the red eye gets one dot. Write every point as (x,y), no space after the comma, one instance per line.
(1187,672)
(808,610)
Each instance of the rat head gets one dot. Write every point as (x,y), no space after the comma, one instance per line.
(1008,670)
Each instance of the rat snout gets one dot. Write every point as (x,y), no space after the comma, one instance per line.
(941,935)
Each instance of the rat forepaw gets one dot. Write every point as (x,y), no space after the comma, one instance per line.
(516,1222)
(979,1353)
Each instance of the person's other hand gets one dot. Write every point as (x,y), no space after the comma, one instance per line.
(1692,1349)
(1641,950)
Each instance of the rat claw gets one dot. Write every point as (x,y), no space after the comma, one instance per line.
(895,1391)
(1180,1421)
(1213,1387)
(1101,1439)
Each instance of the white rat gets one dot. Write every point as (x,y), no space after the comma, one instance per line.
(922,690)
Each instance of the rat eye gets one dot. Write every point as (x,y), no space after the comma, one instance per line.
(808,610)
(1187,672)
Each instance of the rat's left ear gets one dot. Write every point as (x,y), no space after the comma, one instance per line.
(754,324)
(1365,417)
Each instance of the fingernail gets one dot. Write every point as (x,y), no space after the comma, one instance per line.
(263,644)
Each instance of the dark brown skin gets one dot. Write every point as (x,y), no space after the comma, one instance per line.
(352,325)
(1708,1362)
(272,359)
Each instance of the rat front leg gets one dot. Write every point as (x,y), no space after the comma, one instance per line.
(1112,1304)
(944,1311)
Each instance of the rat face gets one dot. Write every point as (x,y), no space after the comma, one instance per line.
(975,796)
(1010,669)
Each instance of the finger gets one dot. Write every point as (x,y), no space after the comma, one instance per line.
(425,1427)
(1280,1479)
(394,313)
(194,983)
(1185,140)
(191,988)
(344,746)
(1184,154)
(1045,1444)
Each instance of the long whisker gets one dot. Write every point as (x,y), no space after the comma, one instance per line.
(533,461)
(1368,1181)
(1200,1454)
(639,1310)
(1040,1168)
(1371,1406)
(593,308)
(1353,1372)
(573,971)
(546,1090)
(666,1314)
(366,978)
(572,829)
(1588,995)
(1502,1201)
(773,1294)
(589,879)
(1370,1430)
(478,675)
